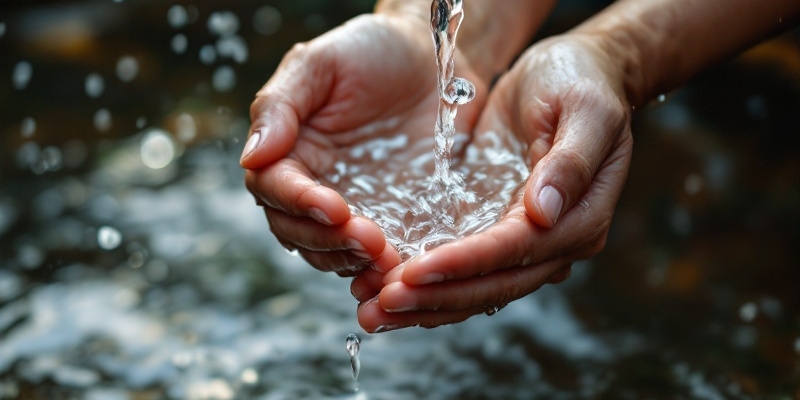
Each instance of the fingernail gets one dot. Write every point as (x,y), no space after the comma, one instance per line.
(404,304)
(430,278)
(353,244)
(550,202)
(386,328)
(251,144)
(319,215)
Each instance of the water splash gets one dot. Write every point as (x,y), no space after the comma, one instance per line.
(353,345)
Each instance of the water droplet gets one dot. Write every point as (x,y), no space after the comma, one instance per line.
(267,20)
(186,127)
(28,127)
(102,120)
(208,54)
(459,91)
(179,43)
(94,85)
(249,377)
(177,16)
(748,312)
(108,238)
(141,122)
(223,23)
(353,344)
(492,310)
(693,184)
(158,149)
(21,75)
(224,79)
(234,47)
(127,68)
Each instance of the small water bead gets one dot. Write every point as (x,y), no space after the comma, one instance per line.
(459,91)
(224,79)
(158,149)
(267,20)
(662,98)
(94,85)
(28,127)
(233,47)
(127,68)
(223,23)
(179,43)
(208,54)
(748,312)
(108,238)
(177,16)
(353,344)
(21,75)
(102,120)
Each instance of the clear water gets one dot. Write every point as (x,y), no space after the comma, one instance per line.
(420,207)
(353,345)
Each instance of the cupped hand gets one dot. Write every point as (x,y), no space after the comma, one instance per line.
(565,100)
(373,77)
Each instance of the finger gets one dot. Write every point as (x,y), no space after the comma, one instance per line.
(343,263)
(561,275)
(360,236)
(288,186)
(493,290)
(591,121)
(366,285)
(299,87)
(514,241)
(374,319)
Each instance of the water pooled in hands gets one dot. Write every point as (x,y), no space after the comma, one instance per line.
(353,345)
(423,199)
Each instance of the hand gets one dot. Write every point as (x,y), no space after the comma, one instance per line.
(565,100)
(327,96)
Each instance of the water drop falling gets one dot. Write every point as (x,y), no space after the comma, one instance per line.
(662,98)
(177,16)
(158,149)
(267,20)
(22,74)
(108,238)
(102,120)
(94,85)
(127,68)
(353,345)
(28,127)
(223,23)
(179,43)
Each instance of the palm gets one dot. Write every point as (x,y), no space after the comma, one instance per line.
(383,83)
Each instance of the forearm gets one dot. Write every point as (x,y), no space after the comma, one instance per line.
(665,42)
(493,32)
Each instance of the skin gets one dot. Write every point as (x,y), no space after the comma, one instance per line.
(569,98)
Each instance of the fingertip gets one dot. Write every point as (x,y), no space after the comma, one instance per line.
(366,285)
(397,297)
(388,260)
(420,271)
(371,317)
(326,206)
(266,145)
(544,207)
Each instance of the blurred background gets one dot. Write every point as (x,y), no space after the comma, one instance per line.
(135,266)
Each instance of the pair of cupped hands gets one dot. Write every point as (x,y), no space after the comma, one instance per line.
(563,99)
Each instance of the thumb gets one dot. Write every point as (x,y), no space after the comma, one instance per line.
(298,88)
(592,118)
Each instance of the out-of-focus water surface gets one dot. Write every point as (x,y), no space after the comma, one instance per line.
(135,266)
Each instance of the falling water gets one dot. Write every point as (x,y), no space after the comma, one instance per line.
(353,345)
(421,206)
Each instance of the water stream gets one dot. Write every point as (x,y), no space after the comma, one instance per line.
(423,199)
